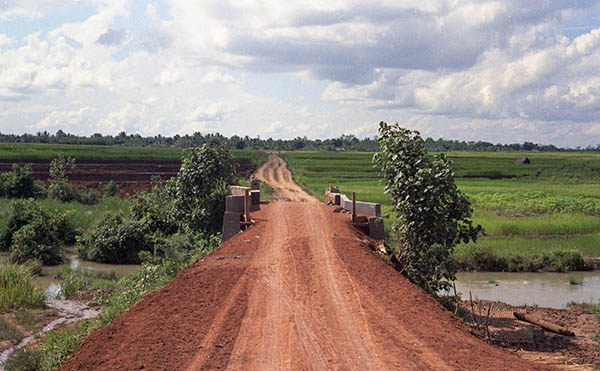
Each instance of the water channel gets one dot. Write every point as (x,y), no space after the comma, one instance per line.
(550,290)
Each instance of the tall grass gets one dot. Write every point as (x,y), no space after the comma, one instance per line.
(17,290)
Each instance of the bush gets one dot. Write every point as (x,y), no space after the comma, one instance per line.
(155,210)
(434,216)
(36,241)
(115,241)
(111,190)
(88,196)
(17,290)
(63,191)
(39,189)
(18,183)
(32,233)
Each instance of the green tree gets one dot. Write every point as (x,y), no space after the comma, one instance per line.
(198,192)
(433,215)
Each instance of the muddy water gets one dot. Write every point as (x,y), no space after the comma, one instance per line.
(551,290)
(48,282)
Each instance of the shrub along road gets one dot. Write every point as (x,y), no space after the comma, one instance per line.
(296,291)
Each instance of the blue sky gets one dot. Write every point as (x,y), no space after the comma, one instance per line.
(500,71)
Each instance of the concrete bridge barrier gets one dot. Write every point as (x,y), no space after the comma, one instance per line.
(373,210)
(238,205)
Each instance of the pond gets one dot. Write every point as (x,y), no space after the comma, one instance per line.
(48,282)
(550,290)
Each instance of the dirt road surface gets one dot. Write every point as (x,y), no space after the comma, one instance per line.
(295,292)
(276,173)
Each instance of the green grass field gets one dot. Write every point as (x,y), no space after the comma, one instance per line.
(552,203)
(12,151)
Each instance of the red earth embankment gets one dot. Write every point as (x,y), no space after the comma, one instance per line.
(296,291)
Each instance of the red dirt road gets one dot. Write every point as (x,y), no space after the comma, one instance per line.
(297,291)
(276,173)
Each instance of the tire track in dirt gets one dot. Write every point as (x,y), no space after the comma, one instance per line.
(277,175)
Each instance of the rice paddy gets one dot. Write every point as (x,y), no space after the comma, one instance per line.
(526,210)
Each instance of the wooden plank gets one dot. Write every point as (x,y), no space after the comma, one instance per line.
(548,326)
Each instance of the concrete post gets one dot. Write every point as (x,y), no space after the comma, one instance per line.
(353,206)
(246,207)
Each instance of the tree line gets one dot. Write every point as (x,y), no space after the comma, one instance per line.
(344,142)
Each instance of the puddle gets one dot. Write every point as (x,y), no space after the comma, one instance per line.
(69,311)
(549,290)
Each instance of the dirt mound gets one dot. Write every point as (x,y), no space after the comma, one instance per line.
(296,291)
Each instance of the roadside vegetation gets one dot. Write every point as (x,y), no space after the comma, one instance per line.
(17,289)
(163,230)
(541,216)
(432,214)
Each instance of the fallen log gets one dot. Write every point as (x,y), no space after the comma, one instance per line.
(548,326)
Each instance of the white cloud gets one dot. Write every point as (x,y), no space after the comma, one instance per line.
(65,119)
(32,9)
(209,112)
(442,67)
(5,40)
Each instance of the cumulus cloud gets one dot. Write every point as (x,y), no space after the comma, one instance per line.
(41,67)
(482,66)
(66,119)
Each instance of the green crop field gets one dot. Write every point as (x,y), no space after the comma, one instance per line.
(525,209)
(30,151)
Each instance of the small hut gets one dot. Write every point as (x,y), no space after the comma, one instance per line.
(523,160)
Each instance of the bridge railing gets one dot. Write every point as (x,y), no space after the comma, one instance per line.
(238,205)
(372,220)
